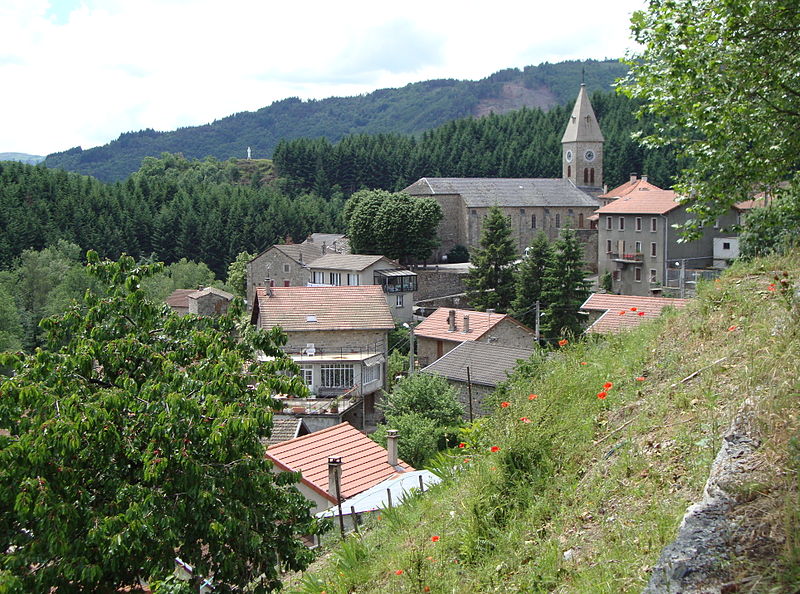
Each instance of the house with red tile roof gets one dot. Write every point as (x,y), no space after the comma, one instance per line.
(446,328)
(202,302)
(633,185)
(638,242)
(361,463)
(337,335)
(610,314)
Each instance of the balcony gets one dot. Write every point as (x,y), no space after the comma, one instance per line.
(631,258)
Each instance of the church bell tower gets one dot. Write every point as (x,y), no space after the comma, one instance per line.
(582,146)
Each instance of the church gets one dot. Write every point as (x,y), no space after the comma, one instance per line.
(532,204)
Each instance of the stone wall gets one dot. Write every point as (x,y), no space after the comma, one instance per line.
(433,282)
(350,340)
(272,264)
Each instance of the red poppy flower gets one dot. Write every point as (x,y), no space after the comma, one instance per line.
(466,460)
(494,449)
(525,419)
(533,397)
(434,539)
(602,395)
(623,312)
(462,445)
(633,309)
(399,572)
(608,385)
(641,378)
(732,328)
(641,313)
(563,342)
(584,363)
(504,404)
(426,589)
(771,287)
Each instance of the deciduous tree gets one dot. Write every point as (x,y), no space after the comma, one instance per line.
(136,437)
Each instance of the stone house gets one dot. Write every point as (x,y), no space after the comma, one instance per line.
(475,369)
(639,244)
(338,336)
(281,265)
(398,283)
(200,302)
(532,204)
(445,329)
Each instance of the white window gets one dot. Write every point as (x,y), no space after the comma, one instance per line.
(622,223)
(637,274)
(307,375)
(652,275)
(653,249)
(286,268)
(352,280)
(608,223)
(638,223)
(653,224)
(608,246)
(318,278)
(372,373)
(398,300)
(336,375)
(336,278)
(638,247)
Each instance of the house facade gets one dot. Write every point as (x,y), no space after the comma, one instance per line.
(397,283)
(446,328)
(282,265)
(200,302)
(639,244)
(338,336)
(532,205)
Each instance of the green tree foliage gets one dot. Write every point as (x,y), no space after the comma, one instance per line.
(530,279)
(397,225)
(565,288)
(424,409)
(722,78)
(137,436)
(178,275)
(774,228)
(237,274)
(10,326)
(490,282)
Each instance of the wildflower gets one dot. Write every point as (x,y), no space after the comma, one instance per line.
(504,404)
(608,385)
(584,363)
(431,559)
(602,395)
(426,589)
(399,572)
(525,419)
(494,449)
(466,460)
(533,397)
(563,342)
(771,287)
(641,378)
(633,309)
(462,445)
(623,312)
(434,538)
(641,313)
(733,328)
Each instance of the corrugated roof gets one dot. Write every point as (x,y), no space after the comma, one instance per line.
(436,325)
(650,202)
(332,308)
(489,364)
(364,462)
(582,125)
(510,192)
(619,314)
(637,185)
(354,262)
(395,272)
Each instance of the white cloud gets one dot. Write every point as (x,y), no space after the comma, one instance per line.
(80,72)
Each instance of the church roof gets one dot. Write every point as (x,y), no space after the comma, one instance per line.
(480,192)
(582,125)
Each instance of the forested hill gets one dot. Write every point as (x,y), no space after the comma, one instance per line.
(408,110)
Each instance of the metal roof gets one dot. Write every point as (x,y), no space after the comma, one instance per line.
(395,272)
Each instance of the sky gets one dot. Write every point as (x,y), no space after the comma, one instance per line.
(81,72)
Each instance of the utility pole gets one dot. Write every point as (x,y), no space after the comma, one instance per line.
(537,321)
(410,350)
(469,390)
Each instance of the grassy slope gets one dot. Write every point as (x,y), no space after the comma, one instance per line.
(606,481)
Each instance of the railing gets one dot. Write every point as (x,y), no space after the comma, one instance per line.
(318,349)
(631,257)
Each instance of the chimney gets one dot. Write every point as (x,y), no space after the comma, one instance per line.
(633,177)
(391,446)
(644,178)
(334,477)
(465,330)
(451,320)
(324,248)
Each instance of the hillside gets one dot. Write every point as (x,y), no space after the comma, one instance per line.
(408,110)
(584,492)
(22,158)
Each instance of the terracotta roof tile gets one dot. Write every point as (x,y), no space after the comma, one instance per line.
(323,308)
(651,202)
(611,321)
(364,462)
(638,185)
(180,298)
(436,325)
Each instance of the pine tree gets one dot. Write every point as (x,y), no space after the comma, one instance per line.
(530,279)
(565,288)
(490,283)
